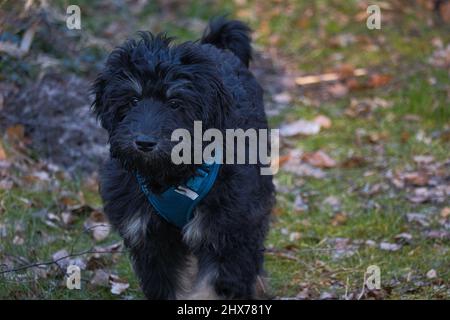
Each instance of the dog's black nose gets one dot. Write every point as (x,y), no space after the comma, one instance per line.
(145,143)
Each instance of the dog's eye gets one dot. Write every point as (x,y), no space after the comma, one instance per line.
(174,104)
(134,101)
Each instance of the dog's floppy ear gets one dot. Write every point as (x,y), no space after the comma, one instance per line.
(205,75)
(98,105)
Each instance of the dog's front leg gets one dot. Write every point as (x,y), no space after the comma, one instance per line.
(157,261)
(229,266)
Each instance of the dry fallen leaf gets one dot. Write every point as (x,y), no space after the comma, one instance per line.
(18,240)
(101,232)
(419,195)
(68,201)
(444,10)
(354,162)
(281,160)
(419,178)
(431,274)
(98,225)
(438,234)
(403,237)
(282,98)
(100,278)
(365,107)
(319,159)
(118,286)
(339,219)
(423,159)
(379,80)
(2,152)
(296,166)
(390,246)
(68,218)
(327,296)
(337,90)
(323,121)
(16,132)
(298,127)
(445,212)
(294,236)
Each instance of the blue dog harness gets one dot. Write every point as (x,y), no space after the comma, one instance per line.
(176,204)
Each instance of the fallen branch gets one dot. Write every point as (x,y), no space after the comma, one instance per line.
(46,263)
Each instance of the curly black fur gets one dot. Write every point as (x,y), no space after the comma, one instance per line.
(150,86)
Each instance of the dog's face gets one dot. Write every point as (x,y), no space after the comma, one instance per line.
(148,89)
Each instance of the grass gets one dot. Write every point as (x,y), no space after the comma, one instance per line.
(303,33)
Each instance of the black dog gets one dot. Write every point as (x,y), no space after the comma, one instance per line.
(148,88)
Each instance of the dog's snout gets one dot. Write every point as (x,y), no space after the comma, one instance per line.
(145,143)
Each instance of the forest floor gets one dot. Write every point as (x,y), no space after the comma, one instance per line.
(364,178)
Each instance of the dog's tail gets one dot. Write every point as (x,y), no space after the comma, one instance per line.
(233,35)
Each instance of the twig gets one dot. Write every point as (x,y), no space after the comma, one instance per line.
(25,44)
(45,263)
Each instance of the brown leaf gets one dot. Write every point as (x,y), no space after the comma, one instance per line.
(379,80)
(337,90)
(118,286)
(319,159)
(296,166)
(2,152)
(68,218)
(445,11)
(68,201)
(16,132)
(323,121)
(294,236)
(98,225)
(354,162)
(376,137)
(445,212)
(282,160)
(97,261)
(339,219)
(416,178)
(97,216)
